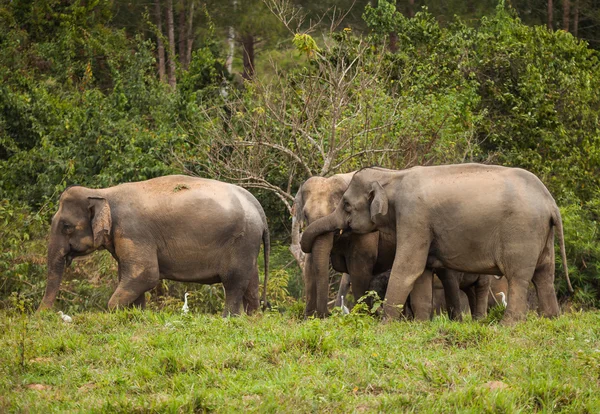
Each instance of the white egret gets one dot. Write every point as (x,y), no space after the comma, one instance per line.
(185,308)
(65,318)
(345,310)
(503,298)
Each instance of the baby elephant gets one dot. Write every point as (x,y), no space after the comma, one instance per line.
(475,286)
(173,227)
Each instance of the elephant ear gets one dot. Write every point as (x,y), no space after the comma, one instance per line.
(101,219)
(379,201)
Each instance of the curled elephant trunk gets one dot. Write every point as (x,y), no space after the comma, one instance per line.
(334,221)
(57,260)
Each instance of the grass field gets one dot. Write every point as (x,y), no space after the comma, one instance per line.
(144,361)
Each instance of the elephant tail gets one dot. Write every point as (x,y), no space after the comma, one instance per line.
(266,252)
(557,221)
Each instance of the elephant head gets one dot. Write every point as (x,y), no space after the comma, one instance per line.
(317,198)
(81,226)
(362,208)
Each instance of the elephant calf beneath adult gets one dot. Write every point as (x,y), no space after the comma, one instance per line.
(173,227)
(468,217)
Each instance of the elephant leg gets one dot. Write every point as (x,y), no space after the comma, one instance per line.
(543,280)
(518,283)
(140,302)
(472,298)
(251,300)
(135,279)
(421,297)
(236,283)
(481,293)
(360,260)
(451,281)
(233,301)
(412,248)
(360,286)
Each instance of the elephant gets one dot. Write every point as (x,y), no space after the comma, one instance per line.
(455,292)
(378,284)
(476,287)
(174,227)
(472,218)
(359,255)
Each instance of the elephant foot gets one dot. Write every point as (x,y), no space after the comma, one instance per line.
(511,319)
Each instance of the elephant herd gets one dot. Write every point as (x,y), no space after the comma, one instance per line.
(464,222)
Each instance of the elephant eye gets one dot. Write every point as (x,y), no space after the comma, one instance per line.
(347,207)
(68,228)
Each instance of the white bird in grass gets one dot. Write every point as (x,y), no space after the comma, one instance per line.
(503,298)
(185,308)
(345,310)
(65,318)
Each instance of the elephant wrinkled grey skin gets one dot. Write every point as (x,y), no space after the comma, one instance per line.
(455,292)
(471,218)
(359,255)
(475,286)
(174,227)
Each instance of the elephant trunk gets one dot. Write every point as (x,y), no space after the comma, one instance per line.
(334,221)
(57,260)
(317,268)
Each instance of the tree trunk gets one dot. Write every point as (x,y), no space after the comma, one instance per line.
(171,32)
(160,46)
(550,11)
(230,51)
(182,40)
(248,56)
(231,43)
(411,8)
(575,18)
(295,245)
(566,14)
(190,36)
(393,43)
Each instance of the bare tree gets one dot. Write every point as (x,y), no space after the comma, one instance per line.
(248,41)
(231,43)
(333,116)
(550,14)
(182,35)
(171,34)
(190,35)
(566,14)
(160,45)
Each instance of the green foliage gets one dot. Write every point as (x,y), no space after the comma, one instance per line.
(82,103)
(305,44)
(20,270)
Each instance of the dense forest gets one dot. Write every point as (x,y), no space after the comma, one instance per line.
(265,94)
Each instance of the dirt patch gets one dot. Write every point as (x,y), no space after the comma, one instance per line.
(38,387)
(496,385)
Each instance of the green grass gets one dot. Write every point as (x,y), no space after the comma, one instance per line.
(145,361)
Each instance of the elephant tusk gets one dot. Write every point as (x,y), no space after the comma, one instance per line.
(341,231)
